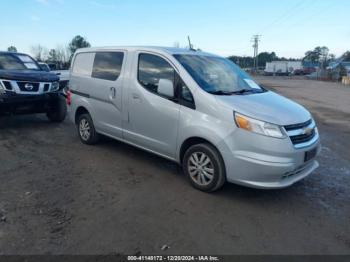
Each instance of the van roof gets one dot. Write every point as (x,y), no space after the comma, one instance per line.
(159,49)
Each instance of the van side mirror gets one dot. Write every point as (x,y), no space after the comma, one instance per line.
(166,88)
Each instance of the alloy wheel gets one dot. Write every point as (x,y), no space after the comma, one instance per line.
(84,129)
(200,168)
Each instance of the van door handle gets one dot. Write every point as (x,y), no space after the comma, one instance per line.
(135,96)
(113,92)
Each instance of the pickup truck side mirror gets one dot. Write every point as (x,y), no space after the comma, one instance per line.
(166,88)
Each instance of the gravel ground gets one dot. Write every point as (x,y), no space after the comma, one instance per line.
(58,196)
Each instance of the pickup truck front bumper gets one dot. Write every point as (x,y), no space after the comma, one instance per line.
(11,103)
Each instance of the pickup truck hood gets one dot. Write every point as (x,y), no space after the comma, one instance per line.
(28,75)
(268,106)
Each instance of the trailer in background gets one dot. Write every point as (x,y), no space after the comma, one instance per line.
(282,67)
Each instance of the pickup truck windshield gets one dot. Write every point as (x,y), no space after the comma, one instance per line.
(17,62)
(218,75)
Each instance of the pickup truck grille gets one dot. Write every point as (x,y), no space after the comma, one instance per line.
(7,85)
(28,86)
(46,87)
(302,134)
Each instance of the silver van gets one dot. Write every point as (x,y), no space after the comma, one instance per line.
(197,109)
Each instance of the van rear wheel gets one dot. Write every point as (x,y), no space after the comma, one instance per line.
(86,130)
(204,167)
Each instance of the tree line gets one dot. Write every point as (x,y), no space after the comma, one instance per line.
(319,56)
(60,56)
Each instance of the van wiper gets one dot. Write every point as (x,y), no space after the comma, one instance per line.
(244,90)
(221,93)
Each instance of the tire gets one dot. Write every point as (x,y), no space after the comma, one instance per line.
(209,177)
(57,112)
(86,130)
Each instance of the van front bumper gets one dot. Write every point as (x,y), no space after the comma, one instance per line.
(263,162)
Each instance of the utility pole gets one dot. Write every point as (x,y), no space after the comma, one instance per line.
(256,40)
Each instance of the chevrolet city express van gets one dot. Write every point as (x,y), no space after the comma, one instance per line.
(197,109)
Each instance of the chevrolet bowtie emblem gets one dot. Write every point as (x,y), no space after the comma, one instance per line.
(307,131)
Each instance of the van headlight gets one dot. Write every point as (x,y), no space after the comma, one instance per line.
(258,126)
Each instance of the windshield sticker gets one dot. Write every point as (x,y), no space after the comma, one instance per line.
(30,65)
(252,84)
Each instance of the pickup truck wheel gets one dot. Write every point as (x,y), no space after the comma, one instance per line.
(86,130)
(204,167)
(57,113)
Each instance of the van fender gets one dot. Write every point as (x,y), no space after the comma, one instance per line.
(83,102)
(206,133)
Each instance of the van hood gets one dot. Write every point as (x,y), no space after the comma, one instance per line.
(28,75)
(268,106)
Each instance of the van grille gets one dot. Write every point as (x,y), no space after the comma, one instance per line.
(298,126)
(303,138)
(302,134)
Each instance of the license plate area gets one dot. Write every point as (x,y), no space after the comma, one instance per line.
(310,154)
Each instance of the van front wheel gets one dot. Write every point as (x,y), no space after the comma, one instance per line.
(204,167)
(86,130)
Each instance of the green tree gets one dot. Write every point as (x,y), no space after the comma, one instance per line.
(78,42)
(312,56)
(265,57)
(320,54)
(12,49)
(53,56)
(346,56)
(242,61)
(39,52)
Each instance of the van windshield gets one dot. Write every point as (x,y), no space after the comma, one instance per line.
(17,62)
(218,75)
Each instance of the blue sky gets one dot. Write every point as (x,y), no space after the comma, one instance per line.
(225,27)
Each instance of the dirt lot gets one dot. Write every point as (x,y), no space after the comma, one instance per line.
(62,197)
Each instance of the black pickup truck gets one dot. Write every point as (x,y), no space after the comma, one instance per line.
(27,89)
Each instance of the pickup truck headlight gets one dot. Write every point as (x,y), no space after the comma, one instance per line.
(258,126)
(55,86)
(2,88)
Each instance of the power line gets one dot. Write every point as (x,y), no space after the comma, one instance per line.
(285,14)
(306,18)
(316,13)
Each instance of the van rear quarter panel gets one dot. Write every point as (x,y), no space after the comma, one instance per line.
(80,83)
